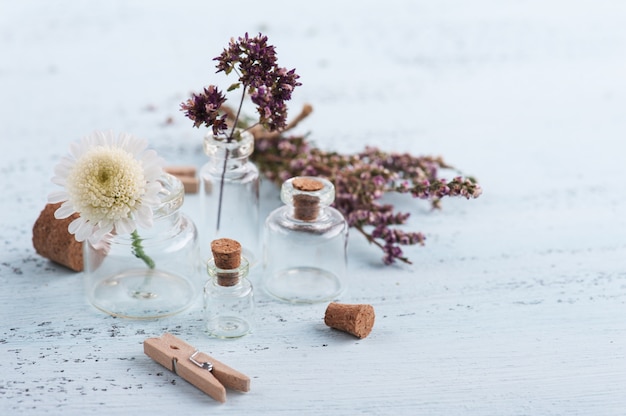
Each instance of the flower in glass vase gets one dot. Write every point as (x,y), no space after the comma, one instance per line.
(128,214)
(229,182)
(112,183)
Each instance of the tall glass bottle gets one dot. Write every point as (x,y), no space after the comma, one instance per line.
(229,189)
(305,244)
(228,295)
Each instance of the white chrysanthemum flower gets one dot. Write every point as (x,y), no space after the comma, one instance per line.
(112,183)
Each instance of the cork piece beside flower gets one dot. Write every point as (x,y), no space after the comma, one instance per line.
(52,240)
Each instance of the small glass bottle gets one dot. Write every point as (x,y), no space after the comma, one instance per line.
(228,295)
(229,189)
(305,245)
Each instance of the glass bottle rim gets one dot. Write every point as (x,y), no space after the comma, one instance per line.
(172,195)
(240,271)
(217,146)
(326,194)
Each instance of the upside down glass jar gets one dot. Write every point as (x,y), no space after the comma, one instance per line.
(229,190)
(305,243)
(123,285)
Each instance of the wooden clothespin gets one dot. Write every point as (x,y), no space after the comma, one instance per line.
(198,368)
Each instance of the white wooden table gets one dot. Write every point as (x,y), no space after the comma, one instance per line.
(516,305)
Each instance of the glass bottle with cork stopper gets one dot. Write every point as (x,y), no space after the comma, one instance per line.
(228,295)
(305,244)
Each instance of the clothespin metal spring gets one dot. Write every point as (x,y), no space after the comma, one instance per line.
(206,365)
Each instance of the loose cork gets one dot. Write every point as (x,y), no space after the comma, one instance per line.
(357,320)
(227,256)
(52,240)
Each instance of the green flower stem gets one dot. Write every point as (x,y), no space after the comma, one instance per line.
(138,250)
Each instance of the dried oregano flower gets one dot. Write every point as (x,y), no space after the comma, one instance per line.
(360,180)
(268,86)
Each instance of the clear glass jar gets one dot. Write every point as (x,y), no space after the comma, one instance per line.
(119,283)
(229,189)
(228,301)
(305,244)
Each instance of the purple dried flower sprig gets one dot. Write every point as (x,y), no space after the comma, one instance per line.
(204,108)
(268,85)
(361,180)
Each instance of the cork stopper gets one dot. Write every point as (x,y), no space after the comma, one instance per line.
(227,253)
(306,207)
(357,320)
(52,240)
(227,256)
(307,184)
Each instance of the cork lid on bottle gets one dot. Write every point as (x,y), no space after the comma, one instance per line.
(307,195)
(227,258)
(227,253)
(306,184)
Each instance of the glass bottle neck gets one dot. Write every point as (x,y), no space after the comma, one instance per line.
(220,147)
(228,277)
(217,162)
(166,223)
(295,215)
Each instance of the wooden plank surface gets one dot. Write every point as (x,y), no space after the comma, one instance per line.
(516,304)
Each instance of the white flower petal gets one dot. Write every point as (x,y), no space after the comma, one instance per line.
(153,189)
(132,144)
(64,211)
(75,225)
(104,138)
(99,232)
(144,216)
(80,228)
(84,231)
(58,180)
(62,170)
(58,196)
(152,165)
(76,149)
(124,226)
(64,167)
(152,202)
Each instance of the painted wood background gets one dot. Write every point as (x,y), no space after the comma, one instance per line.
(515,306)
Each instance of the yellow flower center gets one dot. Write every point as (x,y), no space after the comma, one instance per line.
(105,184)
